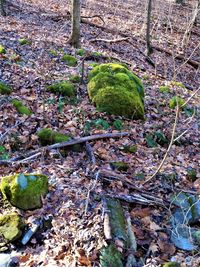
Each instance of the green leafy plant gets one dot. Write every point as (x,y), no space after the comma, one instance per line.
(2,49)
(174,100)
(164,89)
(101,123)
(118,124)
(155,138)
(3,153)
(24,41)
(81,52)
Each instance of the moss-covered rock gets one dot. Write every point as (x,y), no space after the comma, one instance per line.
(2,49)
(115,90)
(65,88)
(24,191)
(69,60)
(11,226)
(5,89)
(164,89)
(129,149)
(120,165)
(174,100)
(49,137)
(21,108)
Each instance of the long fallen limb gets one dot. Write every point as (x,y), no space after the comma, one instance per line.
(38,152)
(110,41)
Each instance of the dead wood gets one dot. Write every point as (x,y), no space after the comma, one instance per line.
(90,152)
(110,41)
(38,152)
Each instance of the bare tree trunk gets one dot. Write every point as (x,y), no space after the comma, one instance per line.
(180,2)
(148,34)
(75,22)
(2,9)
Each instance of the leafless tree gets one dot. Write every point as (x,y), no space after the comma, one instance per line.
(75,23)
(2,8)
(148,30)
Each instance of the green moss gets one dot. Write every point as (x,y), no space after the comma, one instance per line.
(97,54)
(191,174)
(22,109)
(115,90)
(48,137)
(24,191)
(2,49)
(11,226)
(64,88)
(130,149)
(53,52)
(164,89)
(81,52)
(173,102)
(69,60)
(5,89)
(120,165)
(177,84)
(75,78)
(23,41)
(171,264)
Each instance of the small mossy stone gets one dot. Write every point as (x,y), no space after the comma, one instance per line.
(24,191)
(191,174)
(65,88)
(75,78)
(176,100)
(5,89)
(81,52)
(164,89)
(2,49)
(11,226)
(119,165)
(130,149)
(116,90)
(69,60)
(49,137)
(23,41)
(171,264)
(21,108)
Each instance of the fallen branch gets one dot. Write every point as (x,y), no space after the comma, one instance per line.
(110,41)
(38,152)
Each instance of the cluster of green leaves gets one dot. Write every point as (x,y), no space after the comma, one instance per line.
(155,138)
(103,124)
(3,153)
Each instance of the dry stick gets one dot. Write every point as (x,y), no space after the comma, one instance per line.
(84,139)
(110,41)
(169,147)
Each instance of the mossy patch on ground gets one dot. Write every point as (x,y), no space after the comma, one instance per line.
(75,78)
(164,89)
(81,52)
(49,137)
(21,108)
(119,165)
(171,264)
(2,49)
(69,60)
(64,88)
(5,89)
(115,90)
(24,191)
(23,41)
(176,100)
(11,226)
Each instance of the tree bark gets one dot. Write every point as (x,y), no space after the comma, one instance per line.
(2,8)
(148,34)
(75,23)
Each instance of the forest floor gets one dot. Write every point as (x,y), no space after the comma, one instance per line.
(77,233)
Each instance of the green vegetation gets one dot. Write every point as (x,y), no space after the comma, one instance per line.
(5,89)
(11,226)
(53,52)
(120,166)
(115,90)
(171,264)
(69,60)
(48,137)
(2,49)
(81,52)
(118,125)
(75,78)
(97,54)
(129,149)
(22,109)
(110,256)
(174,100)
(191,174)
(3,153)
(64,88)
(23,41)
(177,84)
(24,191)
(164,89)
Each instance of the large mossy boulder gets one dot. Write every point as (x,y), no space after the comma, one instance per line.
(24,191)
(116,90)
(11,227)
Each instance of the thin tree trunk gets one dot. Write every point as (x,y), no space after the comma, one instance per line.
(75,22)
(148,34)
(2,9)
